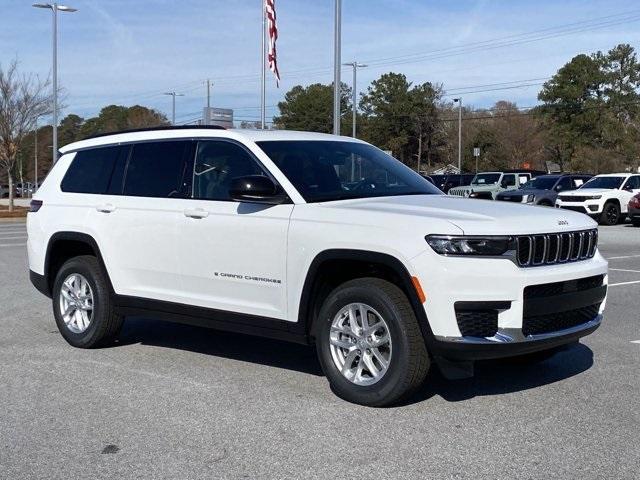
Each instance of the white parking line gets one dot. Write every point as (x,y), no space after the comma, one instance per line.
(623,283)
(620,258)
(635,341)
(19,237)
(624,270)
(12,244)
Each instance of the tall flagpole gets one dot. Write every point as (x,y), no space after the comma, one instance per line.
(263,53)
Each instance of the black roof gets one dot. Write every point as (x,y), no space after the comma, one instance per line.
(159,128)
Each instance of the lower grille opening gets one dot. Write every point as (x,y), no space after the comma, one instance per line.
(479,319)
(553,322)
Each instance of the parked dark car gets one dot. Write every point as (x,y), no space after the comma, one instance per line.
(4,191)
(543,190)
(634,210)
(448,181)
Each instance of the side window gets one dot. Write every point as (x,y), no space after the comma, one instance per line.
(508,180)
(90,170)
(633,183)
(565,183)
(579,181)
(216,164)
(156,169)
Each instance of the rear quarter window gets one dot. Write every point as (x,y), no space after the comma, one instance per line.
(91,170)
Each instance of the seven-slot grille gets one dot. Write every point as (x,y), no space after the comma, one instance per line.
(552,248)
(460,192)
(572,198)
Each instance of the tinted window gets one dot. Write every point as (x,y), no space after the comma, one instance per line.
(604,182)
(90,170)
(633,183)
(509,180)
(540,183)
(565,183)
(217,163)
(336,170)
(156,169)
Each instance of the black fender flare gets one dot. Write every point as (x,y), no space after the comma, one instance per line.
(305,323)
(76,237)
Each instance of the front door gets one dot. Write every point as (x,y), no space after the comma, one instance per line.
(233,256)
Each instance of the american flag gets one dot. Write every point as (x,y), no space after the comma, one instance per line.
(272,29)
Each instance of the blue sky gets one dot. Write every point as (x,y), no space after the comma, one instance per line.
(128,52)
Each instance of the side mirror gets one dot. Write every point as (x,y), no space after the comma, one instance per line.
(256,189)
(558,188)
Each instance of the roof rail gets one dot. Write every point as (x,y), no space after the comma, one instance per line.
(157,128)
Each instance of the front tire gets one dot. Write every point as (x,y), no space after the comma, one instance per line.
(82,304)
(369,343)
(610,214)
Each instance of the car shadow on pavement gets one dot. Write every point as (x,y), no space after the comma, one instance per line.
(495,377)
(492,377)
(245,348)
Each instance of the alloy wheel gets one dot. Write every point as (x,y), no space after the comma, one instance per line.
(76,303)
(360,344)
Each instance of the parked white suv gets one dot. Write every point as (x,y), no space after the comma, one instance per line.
(604,197)
(311,238)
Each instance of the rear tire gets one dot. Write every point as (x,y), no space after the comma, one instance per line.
(610,214)
(635,223)
(82,304)
(372,376)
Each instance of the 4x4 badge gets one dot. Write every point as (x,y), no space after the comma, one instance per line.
(563,222)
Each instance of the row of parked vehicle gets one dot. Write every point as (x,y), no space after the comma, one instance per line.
(608,198)
(19,190)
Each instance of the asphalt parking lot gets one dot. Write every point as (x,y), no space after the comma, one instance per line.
(172,401)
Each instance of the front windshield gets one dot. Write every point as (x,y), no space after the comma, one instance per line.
(604,182)
(333,170)
(540,183)
(486,179)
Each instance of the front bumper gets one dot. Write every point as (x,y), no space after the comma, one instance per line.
(449,282)
(509,342)
(589,207)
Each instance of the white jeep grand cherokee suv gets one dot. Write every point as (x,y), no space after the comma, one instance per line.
(311,238)
(604,197)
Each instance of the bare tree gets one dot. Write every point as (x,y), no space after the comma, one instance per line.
(23,98)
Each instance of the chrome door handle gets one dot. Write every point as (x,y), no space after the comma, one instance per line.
(196,213)
(106,208)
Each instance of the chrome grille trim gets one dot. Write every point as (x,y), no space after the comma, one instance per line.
(579,245)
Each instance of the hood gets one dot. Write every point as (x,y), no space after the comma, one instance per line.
(476,188)
(587,191)
(472,216)
(524,192)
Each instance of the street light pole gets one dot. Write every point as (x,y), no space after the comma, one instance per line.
(55,8)
(459,101)
(355,66)
(336,66)
(35,156)
(173,104)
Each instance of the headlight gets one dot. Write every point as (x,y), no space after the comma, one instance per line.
(463,245)
(593,197)
(530,198)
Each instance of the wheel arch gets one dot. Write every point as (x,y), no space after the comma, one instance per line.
(65,245)
(376,264)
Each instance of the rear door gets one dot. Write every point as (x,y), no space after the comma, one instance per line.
(139,220)
(233,256)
